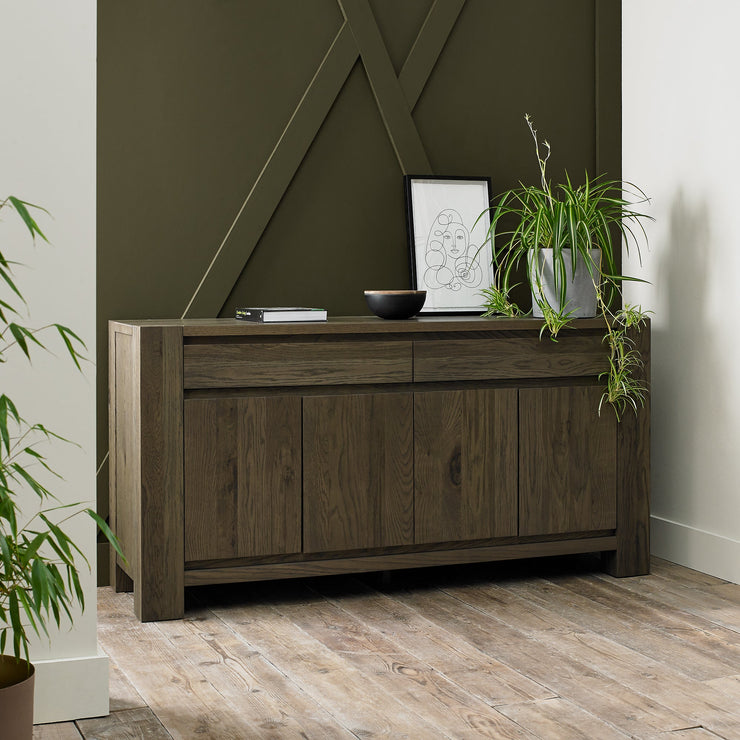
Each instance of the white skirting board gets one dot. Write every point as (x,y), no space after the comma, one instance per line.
(695,548)
(71,688)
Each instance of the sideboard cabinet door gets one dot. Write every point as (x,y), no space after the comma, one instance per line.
(567,461)
(357,471)
(465,452)
(242,477)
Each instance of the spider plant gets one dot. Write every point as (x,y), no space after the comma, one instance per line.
(578,230)
(497,303)
(624,386)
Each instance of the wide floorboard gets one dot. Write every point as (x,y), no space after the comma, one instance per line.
(549,648)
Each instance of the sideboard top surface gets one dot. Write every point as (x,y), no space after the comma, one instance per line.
(349,325)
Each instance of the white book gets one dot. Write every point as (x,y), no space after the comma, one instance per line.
(281,313)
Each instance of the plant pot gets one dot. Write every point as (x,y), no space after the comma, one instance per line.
(580,293)
(16,698)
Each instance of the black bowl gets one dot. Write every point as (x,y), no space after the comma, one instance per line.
(395,304)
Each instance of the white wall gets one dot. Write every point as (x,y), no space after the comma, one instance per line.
(681,144)
(47,156)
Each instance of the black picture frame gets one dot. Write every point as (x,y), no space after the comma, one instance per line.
(451,256)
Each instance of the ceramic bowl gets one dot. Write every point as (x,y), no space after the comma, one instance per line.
(395,304)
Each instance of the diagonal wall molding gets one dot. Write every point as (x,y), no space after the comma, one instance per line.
(272,182)
(396,97)
(389,96)
(428,46)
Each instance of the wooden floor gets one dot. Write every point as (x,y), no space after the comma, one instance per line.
(546,649)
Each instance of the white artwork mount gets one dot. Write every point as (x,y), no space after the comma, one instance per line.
(451,256)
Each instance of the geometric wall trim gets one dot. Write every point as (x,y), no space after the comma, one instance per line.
(395,96)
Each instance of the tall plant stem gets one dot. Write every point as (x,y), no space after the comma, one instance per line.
(542,161)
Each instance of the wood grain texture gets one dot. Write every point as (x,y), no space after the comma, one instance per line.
(125,460)
(508,357)
(325,675)
(158,586)
(557,647)
(128,724)
(123,694)
(632,556)
(567,461)
(465,465)
(572,672)
(296,363)
(452,656)
(360,464)
(211,478)
(392,669)
(242,477)
(580,666)
(173,687)
(248,683)
(709,650)
(559,717)
(357,471)
(332,566)
(113,449)
(57,731)
(646,659)
(194,329)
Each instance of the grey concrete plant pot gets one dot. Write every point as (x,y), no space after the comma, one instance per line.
(580,293)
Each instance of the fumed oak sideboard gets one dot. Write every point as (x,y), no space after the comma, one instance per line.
(243,452)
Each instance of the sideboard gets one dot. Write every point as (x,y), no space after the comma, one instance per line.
(242,452)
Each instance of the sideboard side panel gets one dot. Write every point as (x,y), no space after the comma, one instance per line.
(124,469)
(158,592)
(632,556)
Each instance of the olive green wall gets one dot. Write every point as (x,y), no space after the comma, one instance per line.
(252,151)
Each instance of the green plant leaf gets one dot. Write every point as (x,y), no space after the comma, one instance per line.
(23,335)
(106,530)
(19,631)
(6,557)
(21,208)
(32,548)
(67,336)
(33,484)
(5,275)
(30,610)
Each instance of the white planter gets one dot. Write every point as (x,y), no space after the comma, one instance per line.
(580,293)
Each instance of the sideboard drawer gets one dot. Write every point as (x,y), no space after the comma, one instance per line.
(508,357)
(296,363)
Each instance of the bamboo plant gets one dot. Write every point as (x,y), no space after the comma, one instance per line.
(570,221)
(39,562)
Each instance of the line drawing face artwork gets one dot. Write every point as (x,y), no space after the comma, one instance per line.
(451,254)
(453,261)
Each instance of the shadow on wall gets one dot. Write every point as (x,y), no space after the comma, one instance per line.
(684,368)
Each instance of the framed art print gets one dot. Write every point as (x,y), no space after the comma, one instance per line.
(451,256)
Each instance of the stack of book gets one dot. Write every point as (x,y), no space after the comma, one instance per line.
(270,315)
